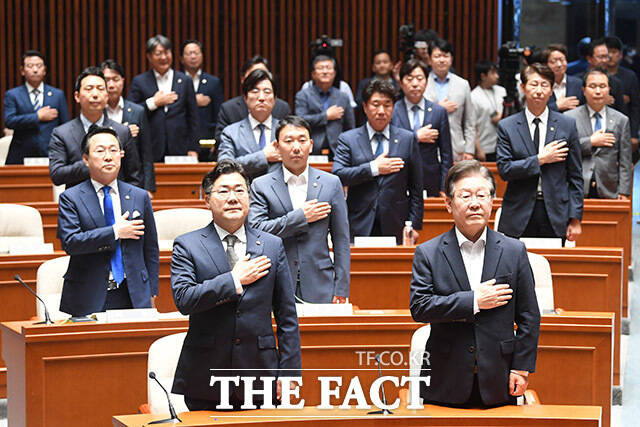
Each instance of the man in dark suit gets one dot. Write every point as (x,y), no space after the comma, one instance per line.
(462,283)
(229,277)
(324,106)
(107,227)
(32,110)
(598,57)
(170,102)
(429,123)
(66,165)
(250,141)
(303,206)
(132,115)
(567,90)
(381,164)
(235,109)
(382,68)
(540,158)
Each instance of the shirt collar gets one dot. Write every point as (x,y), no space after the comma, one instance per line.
(592,111)
(437,79)
(166,75)
(320,92)
(86,123)
(372,132)
(287,174)
(98,187)
(410,104)
(254,123)
(31,88)
(118,107)
(461,239)
(543,117)
(240,233)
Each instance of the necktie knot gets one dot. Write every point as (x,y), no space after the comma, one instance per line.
(36,92)
(415,108)
(597,116)
(231,240)
(261,127)
(537,121)
(106,189)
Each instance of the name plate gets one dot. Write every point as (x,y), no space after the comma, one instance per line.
(325,310)
(543,242)
(318,159)
(374,242)
(165,244)
(207,143)
(36,161)
(180,160)
(130,315)
(29,249)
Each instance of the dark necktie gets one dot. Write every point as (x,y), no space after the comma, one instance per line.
(536,134)
(117,268)
(416,118)
(380,148)
(231,240)
(263,140)
(36,100)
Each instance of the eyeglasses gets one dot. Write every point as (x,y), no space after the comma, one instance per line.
(102,152)
(225,193)
(480,197)
(32,66)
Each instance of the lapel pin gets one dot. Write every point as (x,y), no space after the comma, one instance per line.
(49,93)
(315,184)
(551,128)
(179,80)
(258,242)
(429,109)
(395,141)
(129,110)
(127,197)
(204,81)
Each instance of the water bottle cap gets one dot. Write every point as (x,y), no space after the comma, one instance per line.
(408,224)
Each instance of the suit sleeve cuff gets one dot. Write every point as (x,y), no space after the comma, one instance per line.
(151,104)
(115,232)
(374,168)
(236,283)
(476,309)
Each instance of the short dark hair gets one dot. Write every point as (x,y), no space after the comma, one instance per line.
(295,121)
(156,40)
(613,42)
(224,167)
(380,86)
(537,68)
(483,67)
(428,35)
(95,130)
(320,58)
(186,42)
(255,77)
(593,44)
(32,52)
(596,70)
(381,51)
(554,47)
(112,65)
(412,64)
(89,71)
(463,169)
(256,59)
(441,44)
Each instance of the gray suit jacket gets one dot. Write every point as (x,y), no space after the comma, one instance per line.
(612,165)
(463,132)
(238,143)
(306,243)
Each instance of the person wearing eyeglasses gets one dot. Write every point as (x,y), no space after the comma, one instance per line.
(229,277)
(32,110)
(598,57)
(107,227)
(567,90)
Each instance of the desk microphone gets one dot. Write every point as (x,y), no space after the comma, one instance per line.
(172,412)
(384,397)
(47,319)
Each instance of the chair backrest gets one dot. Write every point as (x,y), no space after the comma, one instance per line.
(172,223)
(497,218)
(544,281)
(163,360)
(19,225)
(416,354)
(5,142)
(49,281)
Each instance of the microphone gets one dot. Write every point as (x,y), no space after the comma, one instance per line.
(384,396)
(172,412)
(47,319)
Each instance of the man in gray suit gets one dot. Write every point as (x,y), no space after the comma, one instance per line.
(250,141)
(454,94)
(605,139)
(302,205)
(324,106)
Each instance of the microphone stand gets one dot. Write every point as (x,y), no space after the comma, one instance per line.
(384,411)
(47,319)
(174,417)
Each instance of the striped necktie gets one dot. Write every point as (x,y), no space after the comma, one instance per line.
(36,99)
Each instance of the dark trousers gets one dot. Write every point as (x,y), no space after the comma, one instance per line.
(208,405)
(475,399)
(539,224)
(118,298)
(490,157)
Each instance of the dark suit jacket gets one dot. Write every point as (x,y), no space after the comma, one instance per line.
(615,90)
(175,132)
(135,114)
(309,106)
(211,86)
(65,154)
(84,236)
(384,196)
(235,110)
(574,88)
(441,295)
(433,170)
(31,137)
(227,330)
(306,243)
(631,88)
(518,165)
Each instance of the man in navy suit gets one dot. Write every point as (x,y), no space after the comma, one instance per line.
(429,123)
(32,110)
(462,284)
(170,102)
(66,165)
(539,156)
(229,277)
(250,141)
(381,165)
(324,106)
(107,227)
(132,115)
(567,90)
(303,205)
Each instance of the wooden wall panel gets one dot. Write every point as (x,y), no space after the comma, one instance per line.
(76,33)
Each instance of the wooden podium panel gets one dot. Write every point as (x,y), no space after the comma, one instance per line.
(20,184)
(59,374)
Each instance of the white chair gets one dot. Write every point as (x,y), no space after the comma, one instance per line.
(544,281)
(19,225)
(163,360)
(172,223)
(5,142)
(49,281)
(497,218)
(416,354)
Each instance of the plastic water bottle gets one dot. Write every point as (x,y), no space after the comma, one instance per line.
(407,234)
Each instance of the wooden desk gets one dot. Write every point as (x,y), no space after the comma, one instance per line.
(74,370)
(539,415)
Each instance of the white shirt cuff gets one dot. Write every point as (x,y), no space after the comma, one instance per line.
(151,104)
(476,309)
(115,232)
(374,168)
(236,283)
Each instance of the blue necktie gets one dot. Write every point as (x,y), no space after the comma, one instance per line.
(263,140)
(598,124)
(416,118)
(117,268)
(380,148)
(325,100)
(36,100)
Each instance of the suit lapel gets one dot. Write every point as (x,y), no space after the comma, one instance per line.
(153,81)
(431,93)
(365,143)
(126,113)
(451,252)
(402,114)
(91,203)
(255,247)
(126,200)
(202,86)
(552,127)
(314,185)
(281,190)
(46,98)
(492,254)
(393,142)
(213,245)
(428,112)
(523,129)
(584,122)
(246,137)
(26,97)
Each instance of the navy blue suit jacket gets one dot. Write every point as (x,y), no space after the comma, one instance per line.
(433,170)
(441,295)
(211,86)
(517,160)
(574,88)
(84,236)
(235,110)
(135,114)
(384,196)
(175,132)
(31,137)
(227,330)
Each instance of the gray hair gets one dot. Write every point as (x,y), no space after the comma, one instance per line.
(464,169)
(156,40)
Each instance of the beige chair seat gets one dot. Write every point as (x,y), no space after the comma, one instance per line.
(163,360)
(49,281)
(171,223)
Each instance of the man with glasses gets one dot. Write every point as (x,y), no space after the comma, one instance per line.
(567,90)
(229,277)
(32,110)
(472,284)
(598,57)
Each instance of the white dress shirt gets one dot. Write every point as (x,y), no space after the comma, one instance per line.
(542,126)
(86,123)
(196,80)
(40,97)
(240,248)
(421,105)
(485,103)
(603,118)
(374,145)
(297,186)
(268,131)
(116,113)
(473,258)
(164,82)
(560,89)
